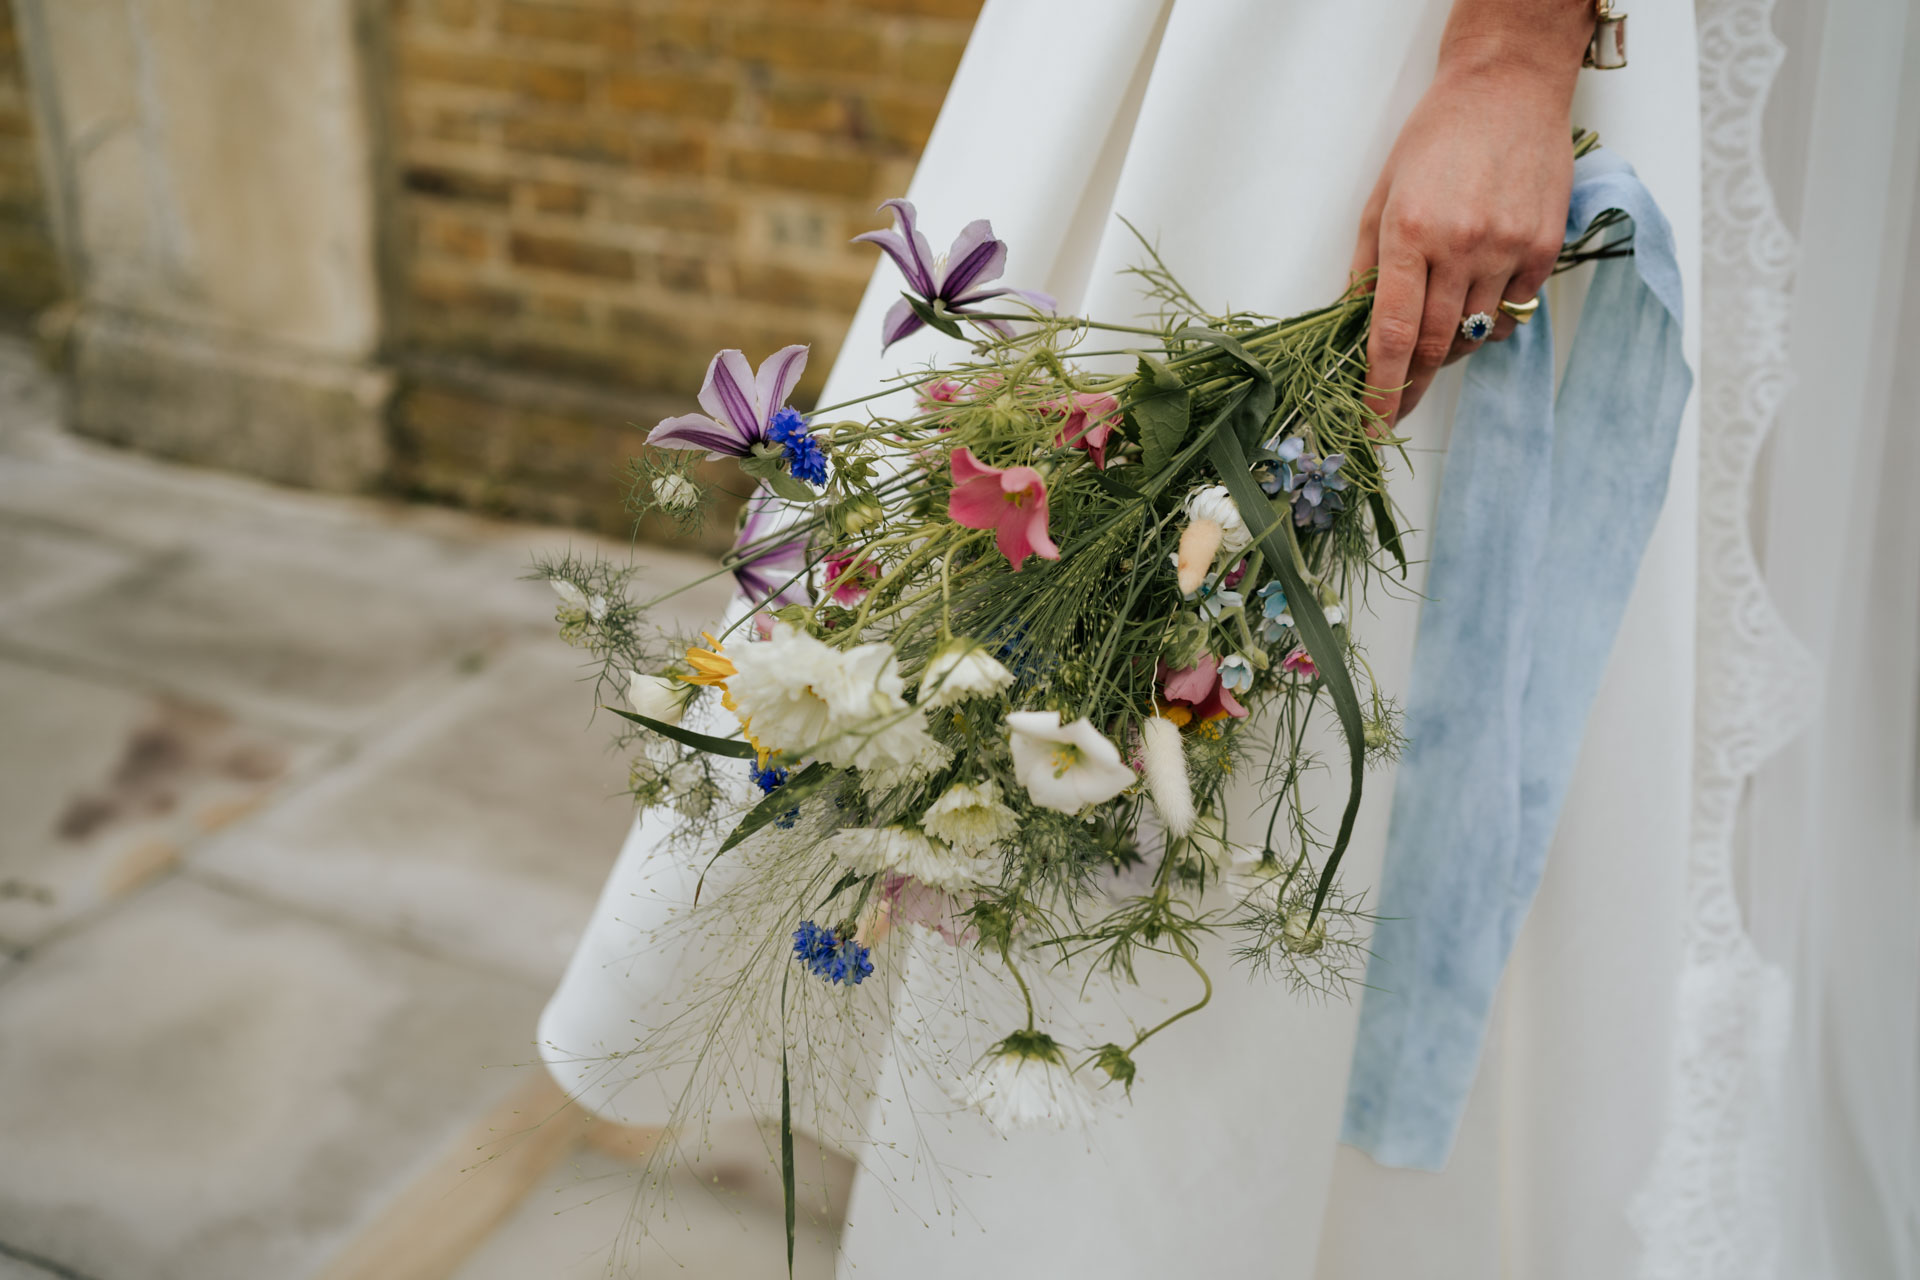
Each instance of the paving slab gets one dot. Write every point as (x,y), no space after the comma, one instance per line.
(200,1087)
(40,565)
(484,828)
(103,788)
(721,1223)
(302,640)
(12,1268)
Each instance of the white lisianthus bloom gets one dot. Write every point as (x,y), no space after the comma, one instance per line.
(1025,1083)
(659,698)
(782,686)
(1214,503)
(970,817)
(1065,767)
(962,670)
(871,850)
(675,492)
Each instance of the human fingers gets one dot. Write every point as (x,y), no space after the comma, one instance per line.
(1399,299)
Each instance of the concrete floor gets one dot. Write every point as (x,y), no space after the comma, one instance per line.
(300,814)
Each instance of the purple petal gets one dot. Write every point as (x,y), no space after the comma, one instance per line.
(900,322)
(698,431)
(907,247)
(1000,327)
(779,373)
(1034,298)
(728,395)
(976,257)
(771,575)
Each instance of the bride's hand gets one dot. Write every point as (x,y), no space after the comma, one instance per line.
(1472,204)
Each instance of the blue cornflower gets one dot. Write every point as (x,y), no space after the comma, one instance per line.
(829,957)
(1275,618)
(804,458)
(768,778)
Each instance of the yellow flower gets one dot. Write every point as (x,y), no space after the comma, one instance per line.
(709,666)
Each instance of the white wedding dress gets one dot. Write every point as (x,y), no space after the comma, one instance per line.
(1243,137)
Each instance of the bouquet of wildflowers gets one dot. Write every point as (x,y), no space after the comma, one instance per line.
(1008,634)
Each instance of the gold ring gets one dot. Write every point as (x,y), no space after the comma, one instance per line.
(1522,312)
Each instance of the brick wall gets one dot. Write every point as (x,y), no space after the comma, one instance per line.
(595,195)
(29,268)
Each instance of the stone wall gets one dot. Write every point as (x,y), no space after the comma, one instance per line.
(595,195)
(29,264)
(466,250)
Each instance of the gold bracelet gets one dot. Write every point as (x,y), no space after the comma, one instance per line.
(1607,51)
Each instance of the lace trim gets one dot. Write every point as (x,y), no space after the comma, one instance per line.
(1710,1207)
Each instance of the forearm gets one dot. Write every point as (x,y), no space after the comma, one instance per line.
(1531,47)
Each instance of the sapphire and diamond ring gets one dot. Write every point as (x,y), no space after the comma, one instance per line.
(1476,327)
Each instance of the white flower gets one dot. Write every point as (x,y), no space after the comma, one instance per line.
(970,817)
(871,850)
(1164,765)
(576,600)
(961,670)
(1216,504)
(898,751)
(1335,615)
(675,493)
(1028,1088)
(781,684)
(659,698)
(1065,767)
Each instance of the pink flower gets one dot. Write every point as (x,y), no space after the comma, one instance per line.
(1300,663)
(1199,686)
(932,395)
(848,584)
(1012,501)
(1089,423)
(911,902)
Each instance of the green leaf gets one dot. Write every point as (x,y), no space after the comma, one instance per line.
(778,801)
(938,320)
(1117,487)
(1276,539)
(1248,421)
(786,1124)
(1160,423)
(785,486)
(1386,530)
(699,741)
(1155,373)
(1213,337)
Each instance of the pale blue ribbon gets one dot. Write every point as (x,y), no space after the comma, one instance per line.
(1545,509)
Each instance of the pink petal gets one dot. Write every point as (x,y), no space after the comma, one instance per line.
(967,467)
(1192,684)
(779,374)
(977,504)
(728,394)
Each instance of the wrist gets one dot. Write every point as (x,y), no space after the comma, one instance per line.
(1529,47)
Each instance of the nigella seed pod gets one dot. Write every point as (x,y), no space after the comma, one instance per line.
(1301,938)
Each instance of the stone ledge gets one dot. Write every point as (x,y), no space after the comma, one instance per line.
(217,399)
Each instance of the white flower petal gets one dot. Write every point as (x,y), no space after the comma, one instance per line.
(962,670)
(970,818)
(871,850)
(1065,767)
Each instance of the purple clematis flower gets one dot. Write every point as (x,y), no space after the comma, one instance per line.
(953,281)
(740,405)
(767,572)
